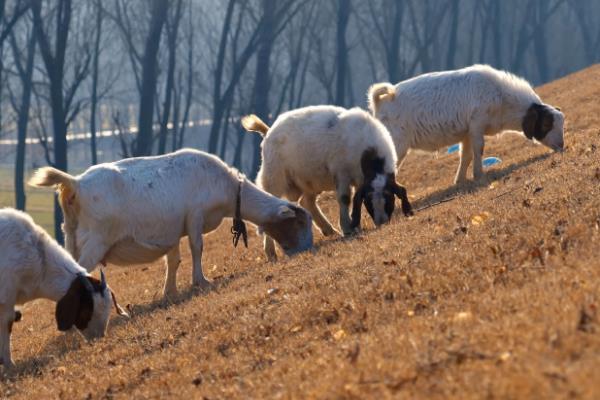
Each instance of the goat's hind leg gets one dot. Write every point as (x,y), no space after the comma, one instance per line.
(7,318)
(466,156)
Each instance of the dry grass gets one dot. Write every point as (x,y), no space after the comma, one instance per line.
(440,305)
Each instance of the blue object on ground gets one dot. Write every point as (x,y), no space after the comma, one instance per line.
(454,148)
(489,161)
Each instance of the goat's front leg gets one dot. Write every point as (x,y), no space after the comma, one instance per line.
(195,228)
(342,191)
(477,143)
(309,202)
(466,156)
(173,259)
(7,318)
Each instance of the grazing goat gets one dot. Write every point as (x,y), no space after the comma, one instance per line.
(442,108)
(33,266)
(136,210)
(314,149)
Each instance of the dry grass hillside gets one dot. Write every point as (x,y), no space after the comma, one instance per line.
(494,294)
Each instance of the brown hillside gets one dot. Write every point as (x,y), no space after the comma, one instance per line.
(494,294)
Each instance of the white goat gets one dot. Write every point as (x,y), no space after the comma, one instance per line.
(136,210)
(314,149)
(442,108)
(33,266)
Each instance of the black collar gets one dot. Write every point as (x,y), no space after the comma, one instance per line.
(239,227)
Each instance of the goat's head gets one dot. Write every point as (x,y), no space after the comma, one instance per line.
(377,192)
(87,305)
(545,124)
(291,227)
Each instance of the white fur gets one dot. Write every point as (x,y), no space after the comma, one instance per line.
(442,108)
(319,148)
(33,266)
(136,210)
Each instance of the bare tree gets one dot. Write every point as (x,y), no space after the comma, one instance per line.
(172,25)
(184,84)
(591,40)
(25,73)
(7,24)
(149,78)
(343,16)
(62,97)
(95,72)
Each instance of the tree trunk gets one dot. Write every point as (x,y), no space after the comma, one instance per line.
(54,63)
(343,16)
(450,57)
(217,113)
(393,54)
(172,40)
(262,81)
(541,50)
(94,100)
(149,78)
(22,121)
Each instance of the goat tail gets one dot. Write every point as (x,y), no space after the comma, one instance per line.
(252,123)
(380,92)
(48,176)
(65,184)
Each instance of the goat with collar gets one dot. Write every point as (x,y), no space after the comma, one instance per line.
(33,266)
(136,210)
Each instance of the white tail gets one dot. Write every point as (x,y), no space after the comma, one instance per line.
(252,123)
(380,92)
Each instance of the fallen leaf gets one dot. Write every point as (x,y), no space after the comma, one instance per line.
(504,356)
(272,291)
(463,316)
(296,328)
(481,218)
(339,335)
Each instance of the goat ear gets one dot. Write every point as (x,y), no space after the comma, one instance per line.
(285,212)
(369,163)
(357,201)
(529,122)
(400,192)
(76,306)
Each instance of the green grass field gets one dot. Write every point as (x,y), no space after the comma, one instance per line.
(39,201)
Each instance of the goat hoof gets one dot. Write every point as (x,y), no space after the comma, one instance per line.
(328,232)
(18,316)
(204,286)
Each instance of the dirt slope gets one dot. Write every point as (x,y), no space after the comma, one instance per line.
(493,294)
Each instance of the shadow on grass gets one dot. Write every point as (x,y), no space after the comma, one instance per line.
(63,344)
(473,186)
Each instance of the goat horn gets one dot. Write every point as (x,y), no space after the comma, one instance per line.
(102,280)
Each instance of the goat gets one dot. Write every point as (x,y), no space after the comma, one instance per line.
(442,108)
(136,210)
(34,266)
(314,149)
